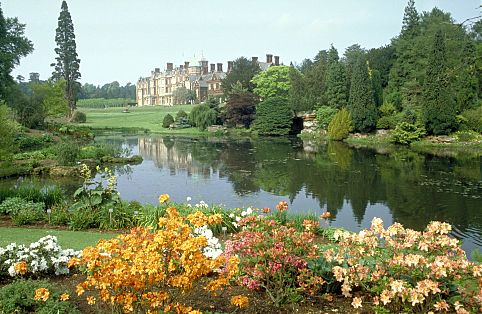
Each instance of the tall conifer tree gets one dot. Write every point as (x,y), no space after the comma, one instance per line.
(336,90)
(439,107)
(361,103)
(67,62)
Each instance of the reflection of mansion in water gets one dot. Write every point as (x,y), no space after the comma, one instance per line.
(198,76)
(166,156)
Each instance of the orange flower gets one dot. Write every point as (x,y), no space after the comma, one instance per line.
(41,294)
(282,206)
(325,215)
(64,297)
(164,198)
(21,268)
(357,302)
(240,301)
(73,262)
(266,210)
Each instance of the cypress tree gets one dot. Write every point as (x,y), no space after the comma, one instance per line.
(336,90)
(361,104)
(67,62)
(377,87)
(439,107)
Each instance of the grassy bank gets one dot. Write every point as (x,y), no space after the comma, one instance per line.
(138,118)
(67,239)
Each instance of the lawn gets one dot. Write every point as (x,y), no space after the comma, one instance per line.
(149,118)
(67,239)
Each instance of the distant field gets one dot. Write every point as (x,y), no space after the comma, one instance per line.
(67,239)
(138,117)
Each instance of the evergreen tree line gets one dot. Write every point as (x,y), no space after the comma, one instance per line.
(108,91)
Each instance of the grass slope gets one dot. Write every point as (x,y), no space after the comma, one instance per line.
(138,117)
(67,239)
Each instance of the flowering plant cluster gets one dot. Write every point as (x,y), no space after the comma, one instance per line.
(407,270)
(39,258)
(273,257)
(147,271)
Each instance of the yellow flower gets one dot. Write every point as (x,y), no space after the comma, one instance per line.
(90,300)
(41,294)
(21,268)
(64,297)
(240,301)
(164,198)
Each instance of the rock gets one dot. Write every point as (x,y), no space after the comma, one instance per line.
(64,171)
(382,132)
(218,128)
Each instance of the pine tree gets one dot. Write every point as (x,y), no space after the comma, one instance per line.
(439,108)
(466,84)
(377,87)
(361,104)
(67,62)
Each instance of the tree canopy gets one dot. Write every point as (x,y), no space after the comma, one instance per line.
(243,71)
(272,82)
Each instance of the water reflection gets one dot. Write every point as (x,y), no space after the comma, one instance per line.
(354,184)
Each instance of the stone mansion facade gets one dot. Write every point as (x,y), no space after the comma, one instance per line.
(197,76)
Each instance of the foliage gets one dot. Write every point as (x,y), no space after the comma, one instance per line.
(13,46)
(43,257)
(272,82)
(79,117)
(273,117)
(182,95)
(439,108)
(361,104)
(472,119)
(243,71)
(405,133)
(298,95)
(92,195)
(388,116)
(202,116)
(324,115)
(67,152)
(467,136)
(8,130)
(99,150)
(241,108)
(405,269)
(48,194)
(21,211)
(167,121)
(272,257)
(108,92)
(143,271)
(340,126)
(67,62)
(101,103)
(19,297)
(180,115)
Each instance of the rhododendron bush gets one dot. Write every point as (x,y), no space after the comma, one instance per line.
(147,271)
(407,270)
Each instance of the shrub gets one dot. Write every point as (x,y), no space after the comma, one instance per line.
(472,119)
(324,115)
(405,133)
(99,150)
(340,126)
(181,116)
(167,121)
(273,117)
(67,152)
(143,271)
(406,270)
(21,211)
(467,136)
(79,117)
(272,257)
(202,116)
(44,257)
(19,297)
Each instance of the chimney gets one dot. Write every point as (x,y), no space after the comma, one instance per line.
(254,59)
(186,64)
(213,67)
(204,66)
(276,60)
(220,67)
(269,58)
(157,70)
(181,67)
(230,66)
(169,66)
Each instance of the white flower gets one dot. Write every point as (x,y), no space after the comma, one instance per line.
(188,199)
(249,211)
(243,213)
(231,215)
(238,218)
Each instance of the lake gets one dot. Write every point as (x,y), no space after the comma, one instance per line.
(355,185)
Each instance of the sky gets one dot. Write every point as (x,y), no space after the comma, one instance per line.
(122,40)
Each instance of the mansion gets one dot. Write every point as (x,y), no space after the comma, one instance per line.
(198,76)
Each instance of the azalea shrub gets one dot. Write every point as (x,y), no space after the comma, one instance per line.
(406,270)
(44,257)
(272,257)
(148,271)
